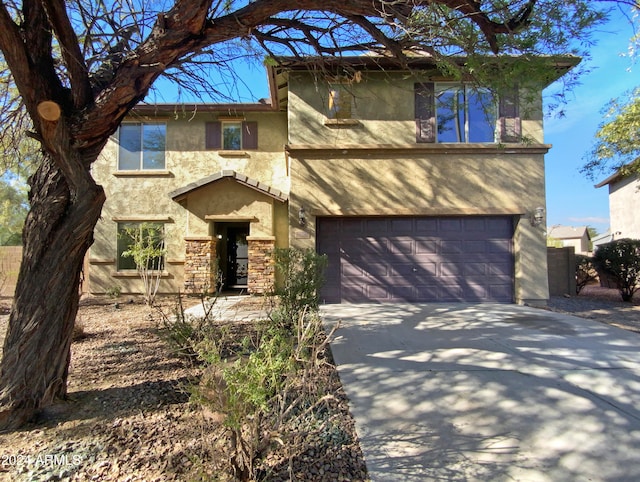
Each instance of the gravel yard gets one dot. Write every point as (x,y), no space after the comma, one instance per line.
(601,304)
(128,417)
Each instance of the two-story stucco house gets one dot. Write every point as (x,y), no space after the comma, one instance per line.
(417,187)
(624,196)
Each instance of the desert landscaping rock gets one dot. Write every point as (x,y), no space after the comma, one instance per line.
(128,417)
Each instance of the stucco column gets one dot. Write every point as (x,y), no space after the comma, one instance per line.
(530,249)
(261,277)
(199,265)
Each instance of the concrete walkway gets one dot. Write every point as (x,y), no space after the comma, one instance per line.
(467,392)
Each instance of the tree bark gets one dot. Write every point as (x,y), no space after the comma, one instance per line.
(58,232)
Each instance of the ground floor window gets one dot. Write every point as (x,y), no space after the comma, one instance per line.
(140,242)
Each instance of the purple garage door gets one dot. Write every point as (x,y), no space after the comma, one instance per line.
(378,259)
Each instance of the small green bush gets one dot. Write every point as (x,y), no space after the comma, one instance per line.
(263,388)
(585,272)
(302,275)
(621,259)
(114,291)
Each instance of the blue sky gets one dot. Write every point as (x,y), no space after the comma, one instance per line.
(571,198)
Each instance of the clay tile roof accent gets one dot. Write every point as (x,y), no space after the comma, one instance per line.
(261,187)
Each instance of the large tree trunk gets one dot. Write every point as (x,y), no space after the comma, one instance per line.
(58,233)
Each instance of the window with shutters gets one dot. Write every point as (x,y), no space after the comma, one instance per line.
(231,135)
(458,113)
(142,146)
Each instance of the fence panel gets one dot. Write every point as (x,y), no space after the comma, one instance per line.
(10,257)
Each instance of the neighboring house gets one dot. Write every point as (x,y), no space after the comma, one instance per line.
(601,239)
(417,187)
(578,237)
(624,198)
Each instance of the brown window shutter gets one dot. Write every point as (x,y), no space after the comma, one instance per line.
(250,135)
(510,123)
(425,114)
(213,135)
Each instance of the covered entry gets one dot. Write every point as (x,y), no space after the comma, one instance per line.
(232,229)
(462,258)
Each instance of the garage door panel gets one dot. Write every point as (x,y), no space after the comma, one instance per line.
(450,225)
(417,259)
(501,291)
(377,225)
(401,246)
(499,246)
(475,269)
(359,246)
(475,225)
(474,247)
(402,225)
(451,269)
(378,270)
(451,246)
(351,227)
(377,293)
(426,246)
(500,226)
(500,269)
(426,225)
(350,270)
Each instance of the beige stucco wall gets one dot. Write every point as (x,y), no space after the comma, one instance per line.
(384,107)
(342,182)
(624,197)
(580,245)
(144,196)
(375,167)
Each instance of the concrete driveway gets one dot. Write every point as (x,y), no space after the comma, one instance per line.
(463,392)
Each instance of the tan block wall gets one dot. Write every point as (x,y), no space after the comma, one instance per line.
(10,259)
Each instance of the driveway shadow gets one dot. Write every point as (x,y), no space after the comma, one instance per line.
(489,392)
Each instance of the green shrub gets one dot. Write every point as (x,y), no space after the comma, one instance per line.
(585,272)
(262,388)
(114,291)
(621,259)
(146,248)
(301,272)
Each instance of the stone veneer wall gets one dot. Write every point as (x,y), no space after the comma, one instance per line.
(199,269)
(261,264)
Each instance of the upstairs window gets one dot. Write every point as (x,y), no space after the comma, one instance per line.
(231,135)
(340,103)
(457,113)
(142,146)
(464,115)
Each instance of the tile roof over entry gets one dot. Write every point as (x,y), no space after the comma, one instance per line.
(261,187)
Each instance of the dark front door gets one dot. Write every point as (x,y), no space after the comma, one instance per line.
(237,257)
